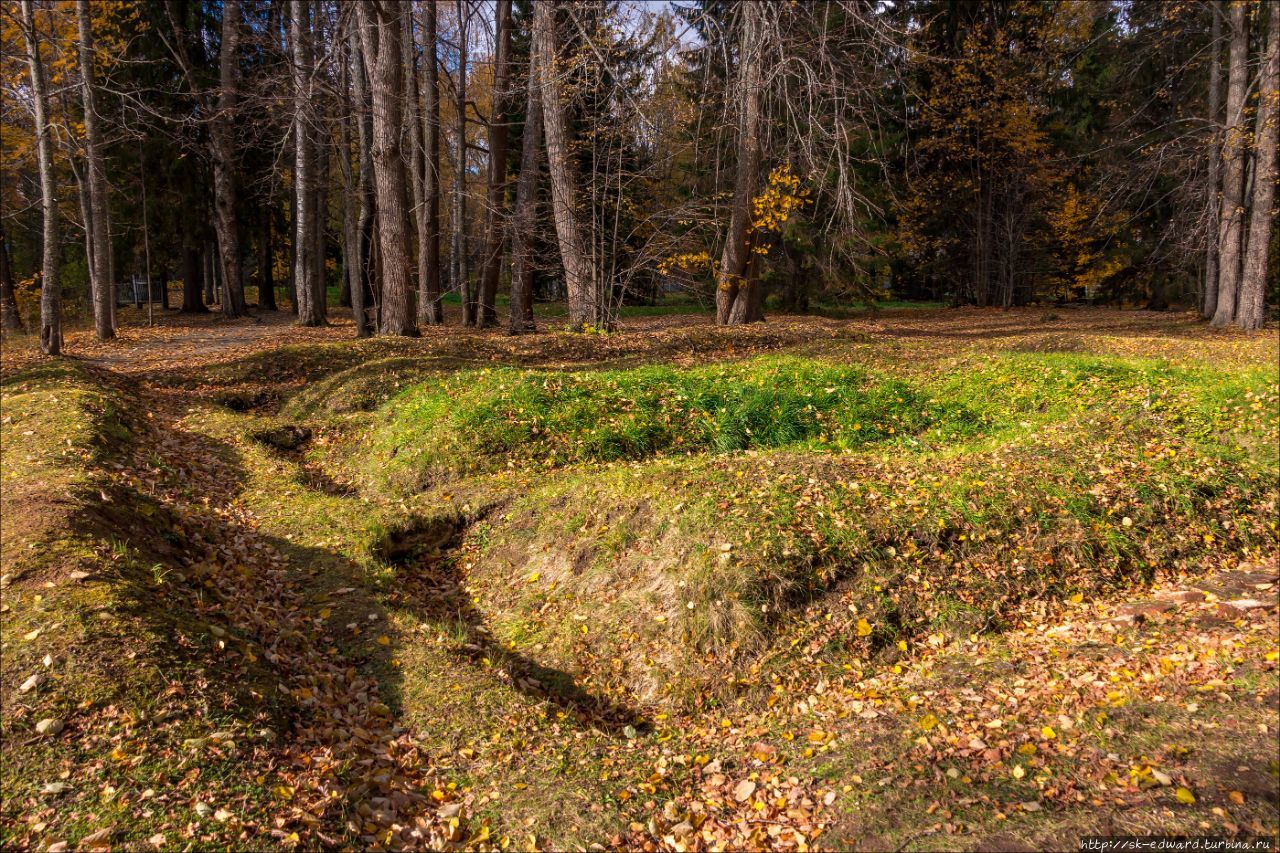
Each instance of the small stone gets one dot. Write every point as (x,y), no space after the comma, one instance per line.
(78,575)
(204,809)
(55,788)
(49,726)
(31,683)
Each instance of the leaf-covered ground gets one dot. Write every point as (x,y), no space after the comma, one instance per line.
(928,579)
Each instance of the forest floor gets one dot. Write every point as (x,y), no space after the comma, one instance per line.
(914,580)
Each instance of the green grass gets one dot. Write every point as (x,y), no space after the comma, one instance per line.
(484,420)
(701,508)
(480,420)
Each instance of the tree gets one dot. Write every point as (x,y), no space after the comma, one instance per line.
(51,267)
(495,212)
(10,319)
(416,151)
(380,26)
(1231,219)
(734,302)
(521,320)
(1210,303)
(585,306)
(309,288)
(355,181)
(97,209)
(222,134)
(430,311)
(1253,287)
(458,247)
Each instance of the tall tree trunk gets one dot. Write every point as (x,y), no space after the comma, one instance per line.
(103,309)
(526,207)
(86,216)
(495,212)
(353,264)
(1253,287)
(584,298)
(733,299)
(413,139)
(1210,304)
(222,139)
(380,28)
(210,276)
(320,210)
(311,310)
(458,252)
(1231,223)
(266,264)
(368,203)
(192,279)
(10,318)
(50,277)
(430,311)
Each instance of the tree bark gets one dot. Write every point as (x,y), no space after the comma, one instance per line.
(458,250)
(353,259)
(10,318)
(1210,304)
(495,210)
(320,211)
(734,303)
(1231,222)
(192,278)
(1253,286)
(430,311)
(584,298)
(266,264)
(50,276)
(222,138)
(103,307)
(208,254)
(310,302)
(413,127)
(526,207)
(380,28)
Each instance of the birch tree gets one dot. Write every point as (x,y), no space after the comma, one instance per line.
(51,265)
(96,220)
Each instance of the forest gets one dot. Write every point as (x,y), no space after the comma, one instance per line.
(654,425)
(393,158)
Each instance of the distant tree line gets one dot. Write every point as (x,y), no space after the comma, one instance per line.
(388,156)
